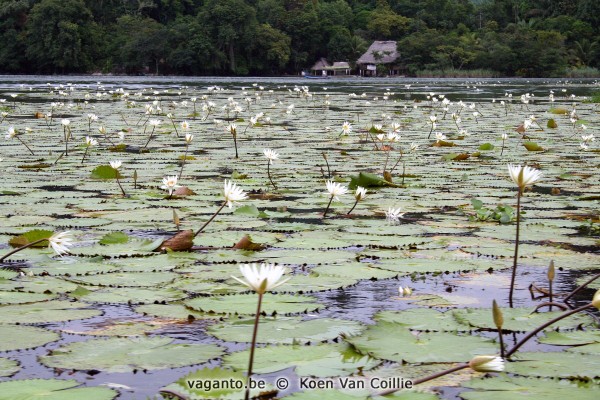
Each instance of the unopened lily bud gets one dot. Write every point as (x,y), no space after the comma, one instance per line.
(487,364)
(498,317)
(596,299)
(551,273)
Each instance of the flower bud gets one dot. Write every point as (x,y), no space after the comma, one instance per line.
(596,299)
(498,317)
(487,364)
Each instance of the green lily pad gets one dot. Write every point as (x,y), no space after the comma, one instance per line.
(52,389)
(320,361)
(193,385)
(30,237)
(172,311)
(24,337)
(127,354)
(132,295)
(246,304)
(8,367)
(394,342)
(556,365)
(114,238)
(47,311)
(506,387)
(127,279)
(22,297)
(575,338)
(285,330)
(422,320)
(517,319)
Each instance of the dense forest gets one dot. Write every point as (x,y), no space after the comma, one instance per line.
(529,38)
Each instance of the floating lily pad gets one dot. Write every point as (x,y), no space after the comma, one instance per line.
(172,311)
(132,295)
(125,355)
(8,367)
(47,311)
(24,337)
(394,342)
(193,385)
(22,297)
(285,330)
(556,365)
(127,279)
(422,320)
(517,319)
(246,304)
(505,387)
(321,360)
(52,389)
(575,338)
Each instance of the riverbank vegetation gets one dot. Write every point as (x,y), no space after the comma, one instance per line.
(529,38)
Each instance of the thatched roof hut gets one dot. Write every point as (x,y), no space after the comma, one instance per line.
(379,53)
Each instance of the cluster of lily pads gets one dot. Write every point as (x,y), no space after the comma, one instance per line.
(165,191)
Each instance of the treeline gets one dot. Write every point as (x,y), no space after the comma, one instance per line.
(271,37)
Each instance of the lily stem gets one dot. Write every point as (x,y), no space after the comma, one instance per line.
(328,205)
(10,253)
(516,254)
(269,174)
(210,220)
(253,345)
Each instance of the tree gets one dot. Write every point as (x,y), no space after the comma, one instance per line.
(59,36)
(13,14)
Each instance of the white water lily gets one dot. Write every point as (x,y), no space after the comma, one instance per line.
(170,184)
(262,279)
(61,242)
(439,136)
(360,193)
(233,193)
(116,164)
(336,189)
(393,214)
(185,125)
(271,155)
(487,364)
(188,138)
(11,133)
(155,122)
(65,122)
(346,128)
(523,176)
(89,141)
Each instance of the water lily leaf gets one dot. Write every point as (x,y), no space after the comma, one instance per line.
(285,330)
(532,146)
(593,348)
(105,172)
(552,124)
(24,337)
(127,354)
(368,180)
(132,295)
(556,365)
(559,111)
(395,342)
(320,361)
(246,243)
(52,389)
(246,304)
(114,238)
(127,279)
(517,319)
(353,394)
(22,297)
(192,385)
(46,285)
(31,236)
(422,320)
(506,387)
(8,367)
(575,338)
(47,311)
(121,328)
(173,311)
(486,146)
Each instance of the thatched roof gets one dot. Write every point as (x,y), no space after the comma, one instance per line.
(321,64)
(380,52)
(340,65)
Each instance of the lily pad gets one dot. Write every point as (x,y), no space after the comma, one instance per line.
(47,311)
(52,389)
(24,337)
(246,304)
(556,365)
(321,360)
(128,354)
(8,367)
(285,330)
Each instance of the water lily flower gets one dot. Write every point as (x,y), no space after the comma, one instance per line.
(185,125)
(271,155)
(336,189)
(523,176)
(360,193)
(233,193)
(60,242)
(170,184)
(394,214)
(439,137)
(188,138)
(116,164)
(487,364)
(65,122)
(262,279)
(596,299)
(346,128)
(11,133)
(89,141)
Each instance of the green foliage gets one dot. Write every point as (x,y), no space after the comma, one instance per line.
(502,214)
(31,236)
(436,38)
